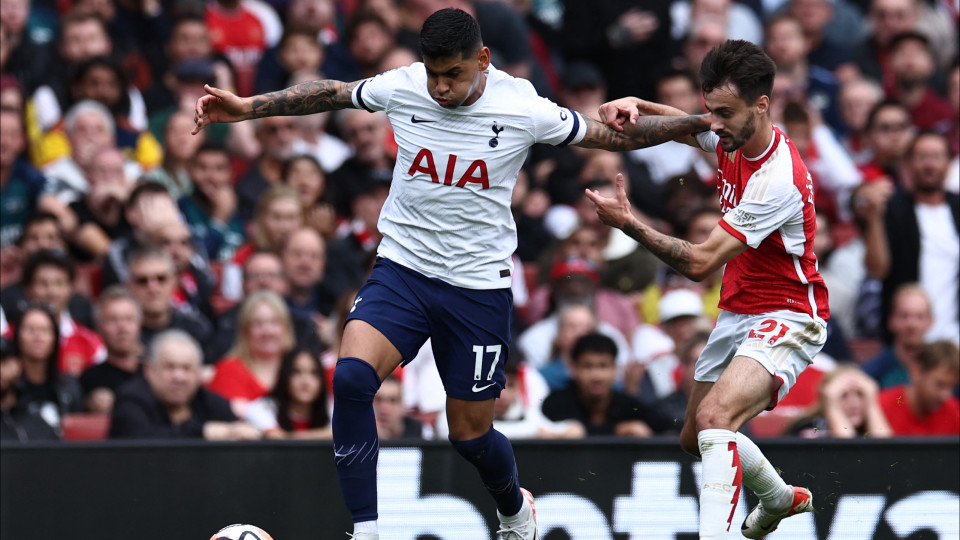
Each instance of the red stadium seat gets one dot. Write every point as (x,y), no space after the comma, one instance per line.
(85,426)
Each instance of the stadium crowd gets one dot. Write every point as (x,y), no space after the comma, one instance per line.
(161,284)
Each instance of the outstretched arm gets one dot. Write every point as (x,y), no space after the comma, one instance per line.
(695,261)
(647,131)
(627,111)
(305,98)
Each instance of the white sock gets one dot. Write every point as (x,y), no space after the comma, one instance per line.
(518,518)
(721,482)
(368,527)
(761,477)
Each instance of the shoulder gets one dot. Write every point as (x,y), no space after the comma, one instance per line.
(892,395)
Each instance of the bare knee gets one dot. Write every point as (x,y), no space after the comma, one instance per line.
(469,419)
(712,417)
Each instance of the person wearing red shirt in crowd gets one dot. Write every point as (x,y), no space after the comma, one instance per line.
(888,135)
(926,406)
(48,279)
(251,369)
(912,63)
(242,31)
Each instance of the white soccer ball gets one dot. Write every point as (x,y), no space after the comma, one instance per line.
(239,531)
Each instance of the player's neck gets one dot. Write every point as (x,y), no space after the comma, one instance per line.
(478,91)
(760,142)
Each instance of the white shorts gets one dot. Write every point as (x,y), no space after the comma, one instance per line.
(784,342)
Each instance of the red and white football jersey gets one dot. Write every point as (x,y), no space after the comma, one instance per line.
(767,203)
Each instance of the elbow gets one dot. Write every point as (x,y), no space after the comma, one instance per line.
(699,271)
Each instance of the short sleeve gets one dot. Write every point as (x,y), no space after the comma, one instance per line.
(708,141)
(374,94)
(556,125)
(770,201)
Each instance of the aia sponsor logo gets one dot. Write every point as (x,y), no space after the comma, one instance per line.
(475,173)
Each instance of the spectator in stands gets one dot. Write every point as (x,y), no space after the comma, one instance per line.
(17,422)
(329,151)
(118,323)
(889,132)
(179,147)
(276,135)
(304,263)
(518,412)
(953,130)
(43,388)
(153,281)
(369,39)
(168,402)
(48,278)
(741,21)
(574,322)
(371,162)
(815,86)
(263,271)
(591,398)
(923,236)
(856,99)
(20,184)
(211,208)
(98,216)
(814,16)
(195,279)
(304,174)
(23,56)
(148,208)
(848,408)
(42,233)
(296,408)
(681,90)
(705,33)
(910,319)
(926,405)
(298,50)
(673,406)
(189,41)
(251,368)
(279,213)
(887,19)
(350,256)
(242,30)
(392,421)
(912,65)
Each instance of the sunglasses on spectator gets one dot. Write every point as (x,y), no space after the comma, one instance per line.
(143,280)
(890,128)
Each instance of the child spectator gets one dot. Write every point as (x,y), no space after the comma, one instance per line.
(297,406)
(848,408)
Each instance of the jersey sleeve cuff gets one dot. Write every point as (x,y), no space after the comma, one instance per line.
(357,97)
(577,132)
(733,231)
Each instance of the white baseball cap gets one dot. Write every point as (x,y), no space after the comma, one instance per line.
(680,302)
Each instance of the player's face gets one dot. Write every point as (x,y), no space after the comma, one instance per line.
(457,81)
(732,118)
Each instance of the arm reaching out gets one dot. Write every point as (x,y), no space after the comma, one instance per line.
(643,132)
(305,98)
(625,112)
(695,261)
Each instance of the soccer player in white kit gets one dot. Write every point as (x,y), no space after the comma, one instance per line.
(444,265)
(773,300)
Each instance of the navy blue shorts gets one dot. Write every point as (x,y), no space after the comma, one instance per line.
(470,329)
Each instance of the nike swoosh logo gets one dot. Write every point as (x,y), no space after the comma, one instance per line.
(482,388)
(416,120)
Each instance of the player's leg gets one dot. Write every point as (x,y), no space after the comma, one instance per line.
(367,356)
(742,391)
(688,435)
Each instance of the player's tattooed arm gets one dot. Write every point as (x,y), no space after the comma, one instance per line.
(673,251)
(647,131)
(305,98)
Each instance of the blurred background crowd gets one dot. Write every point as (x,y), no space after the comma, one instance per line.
(160,284)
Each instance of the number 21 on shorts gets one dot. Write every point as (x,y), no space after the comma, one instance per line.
(482,352)
(765,328)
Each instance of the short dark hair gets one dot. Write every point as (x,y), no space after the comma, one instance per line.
(363,17)
(885,104)
(741,64)
(450,32)
(903,37)
(924,134)
(594,342)
(212,147)
(144,187)
(939,353)
(36,218)
(46,257)
(678,74)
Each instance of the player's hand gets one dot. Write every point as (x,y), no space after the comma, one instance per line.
(614,212)
(617,113)
(219,106)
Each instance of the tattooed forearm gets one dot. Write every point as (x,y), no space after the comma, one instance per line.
(648,131)
(673,251)
(305,98)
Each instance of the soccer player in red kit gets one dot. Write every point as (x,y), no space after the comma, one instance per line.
(773,300)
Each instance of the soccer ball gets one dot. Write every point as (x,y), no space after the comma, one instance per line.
(239,531)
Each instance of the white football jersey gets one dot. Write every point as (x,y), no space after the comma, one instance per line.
(448,212)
